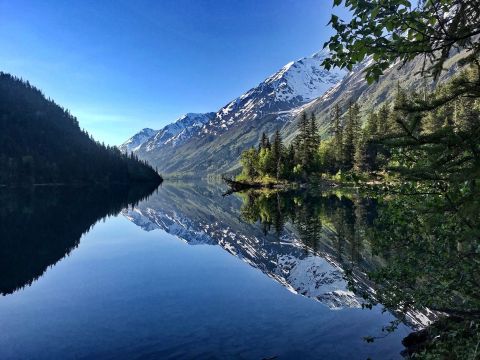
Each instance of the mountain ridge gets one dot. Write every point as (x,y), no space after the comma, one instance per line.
(240,122)
(301,85)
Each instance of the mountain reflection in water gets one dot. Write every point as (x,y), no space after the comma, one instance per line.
(305,240)
(41,225)
(112,290)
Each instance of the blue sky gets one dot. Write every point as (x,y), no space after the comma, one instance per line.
(122,65)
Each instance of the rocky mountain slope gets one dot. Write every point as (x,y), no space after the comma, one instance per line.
(134,143)
(214,147)
(354,88)
(240,123)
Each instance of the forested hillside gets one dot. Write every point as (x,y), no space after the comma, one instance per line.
(369,97)
(40,142)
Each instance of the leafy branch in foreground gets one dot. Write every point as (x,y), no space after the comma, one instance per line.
(392,31)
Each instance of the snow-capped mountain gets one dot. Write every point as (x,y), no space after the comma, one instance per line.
(217,139)
(302,85)
(171,135)
(297,83)
(178,132)
(134,143)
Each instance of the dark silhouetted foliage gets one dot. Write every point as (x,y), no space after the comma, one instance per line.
(40,142)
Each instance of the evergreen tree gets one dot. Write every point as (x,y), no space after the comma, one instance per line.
(314,144)
(372,125)
(337,135)
(360,157)
(304,137)
(264,142)
(352,132)
(277,153)
(382,120)
(249,162)
(289,162)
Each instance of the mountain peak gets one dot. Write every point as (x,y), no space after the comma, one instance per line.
(134,143)
(322,54)
(178,132)
(304,79)
(236,125)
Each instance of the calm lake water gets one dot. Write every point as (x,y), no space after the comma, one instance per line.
(183,273)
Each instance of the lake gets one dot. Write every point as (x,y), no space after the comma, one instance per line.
(186,273)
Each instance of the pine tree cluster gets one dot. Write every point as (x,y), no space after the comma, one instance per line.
(272,160)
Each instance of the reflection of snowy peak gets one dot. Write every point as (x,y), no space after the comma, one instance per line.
(198,214)
(317,278)
(150,219)
(286,261)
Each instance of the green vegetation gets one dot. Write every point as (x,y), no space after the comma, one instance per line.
(272,161)
(411,139)
(417,256)
(42,143)
(423,150)
(392,31)
(431,232)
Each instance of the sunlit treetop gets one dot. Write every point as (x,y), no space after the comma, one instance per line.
(392,31)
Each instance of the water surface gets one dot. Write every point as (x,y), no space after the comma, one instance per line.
(185,273)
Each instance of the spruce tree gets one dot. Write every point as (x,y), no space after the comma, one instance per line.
(382,118)
(337,135)
(277,151)
(360,152)
(289,162)
(313,145)
(304,140)
(264,142)
(352,132)
(372,125)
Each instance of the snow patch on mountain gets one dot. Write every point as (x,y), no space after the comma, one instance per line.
(304,79)
(296,84)
(178,132)
(137,140)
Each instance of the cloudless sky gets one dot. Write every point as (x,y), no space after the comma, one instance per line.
(122,65)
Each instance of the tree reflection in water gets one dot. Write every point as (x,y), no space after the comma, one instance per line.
(41,225)
(420,257)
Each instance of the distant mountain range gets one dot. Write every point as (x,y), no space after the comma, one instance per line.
(212,142)
(200,144)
